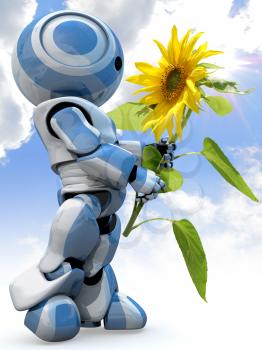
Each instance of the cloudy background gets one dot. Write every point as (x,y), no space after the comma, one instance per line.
(149,266)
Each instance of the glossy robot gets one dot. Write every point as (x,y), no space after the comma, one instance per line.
(68,64)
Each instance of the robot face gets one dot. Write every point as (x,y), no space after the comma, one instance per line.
(68,54)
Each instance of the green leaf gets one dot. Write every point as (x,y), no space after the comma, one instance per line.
(172,178)
(209,66)
(213,153)
(219,104)
(130,116)
(202,92)
(190,244)
(224,86)
(151,158)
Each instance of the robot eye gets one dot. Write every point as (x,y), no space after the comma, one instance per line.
(118,63)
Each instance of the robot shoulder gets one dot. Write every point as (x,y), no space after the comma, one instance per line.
(72,127)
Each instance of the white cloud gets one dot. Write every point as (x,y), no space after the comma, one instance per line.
(15,110)
(150,268)
(124,17)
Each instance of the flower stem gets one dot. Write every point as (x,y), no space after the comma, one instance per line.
(187,154)
(154,219)
(138,207)
(136,210)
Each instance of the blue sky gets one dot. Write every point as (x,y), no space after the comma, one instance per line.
(229,224)
(29,187)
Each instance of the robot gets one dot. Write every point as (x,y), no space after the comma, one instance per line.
(68,64)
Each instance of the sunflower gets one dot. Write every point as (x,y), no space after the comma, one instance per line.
(172,86)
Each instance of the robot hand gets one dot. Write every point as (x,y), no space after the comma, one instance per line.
(167,152)
(147,184)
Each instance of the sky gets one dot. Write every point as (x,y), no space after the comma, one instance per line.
(149,265)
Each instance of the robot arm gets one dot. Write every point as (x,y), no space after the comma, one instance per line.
(107,163)
(116,167)
(135,147)
(71,126)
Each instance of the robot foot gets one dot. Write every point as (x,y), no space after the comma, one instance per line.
(55,319)
(124,313)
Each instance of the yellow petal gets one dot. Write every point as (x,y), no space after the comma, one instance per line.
(185,38)
(148,68)
(159,129)
(189,48)
(156,115)
(159,120)
(192,62)
(163,63)
(146,80)
(190,100)
(175,44)
(198,74)
(202,53)
(183,44)
(162,49)
(148,121)
(178,113)
(211,53)
(165,122)
(170,127)
(153,88)
(193,89)
(151,99)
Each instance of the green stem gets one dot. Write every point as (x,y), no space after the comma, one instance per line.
(138,207)
(145,221)
(136,210)
(158,167)
(187,154)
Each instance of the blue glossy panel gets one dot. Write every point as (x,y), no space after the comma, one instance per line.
(32,317)
(83,235)
(54,320)
(71,122)
(75,38)
(66,320)
(141,176)
(74,232)
(140,310)
(60,271)
(97,87)
(111,279)
(115,318)
(107,162)
(124,313)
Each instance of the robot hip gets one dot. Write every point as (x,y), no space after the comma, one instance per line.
(110,199)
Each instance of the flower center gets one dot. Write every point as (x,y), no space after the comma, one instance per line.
(172,82)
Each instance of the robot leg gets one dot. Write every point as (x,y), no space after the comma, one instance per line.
(47,289)
(99,297)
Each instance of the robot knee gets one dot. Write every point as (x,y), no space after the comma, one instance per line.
(102,255)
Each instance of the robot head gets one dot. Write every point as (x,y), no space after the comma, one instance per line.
(68,54)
